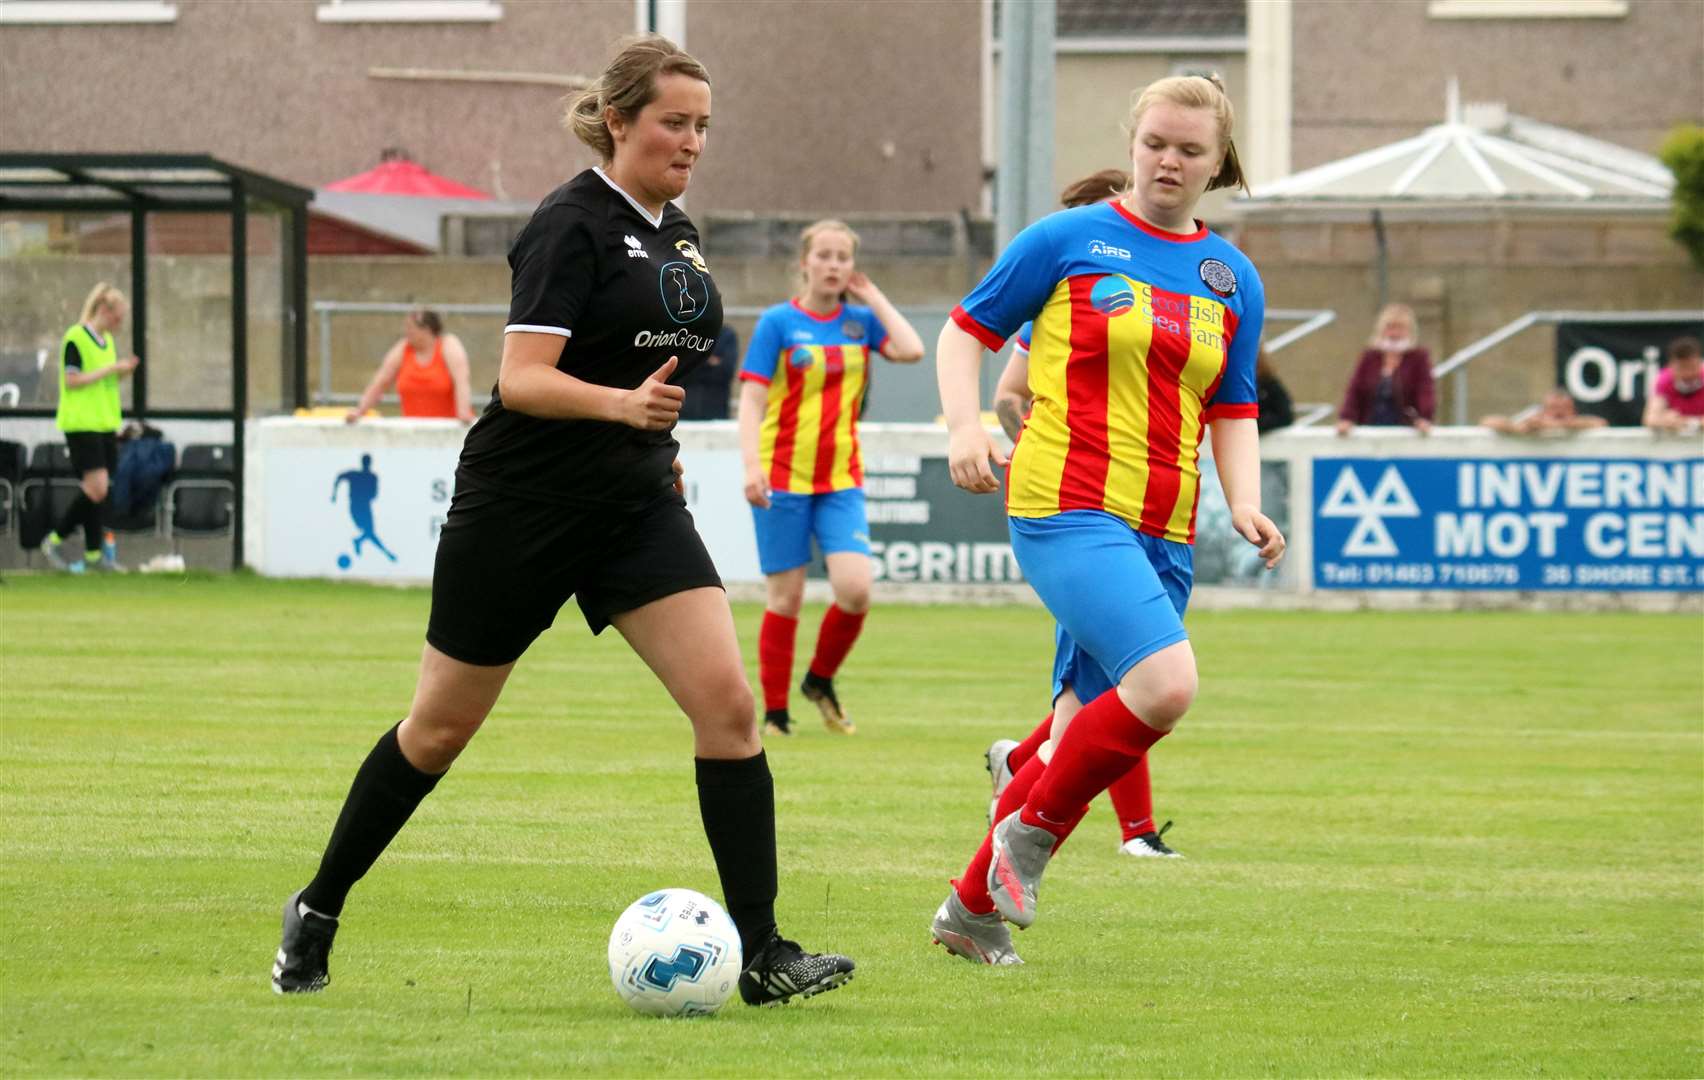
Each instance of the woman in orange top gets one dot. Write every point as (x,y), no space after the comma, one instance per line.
(428,368)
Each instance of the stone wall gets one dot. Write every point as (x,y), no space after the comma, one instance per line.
(1465,275)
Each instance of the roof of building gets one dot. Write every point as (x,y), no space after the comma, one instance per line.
(1481,153)
(51,180)
(411,218)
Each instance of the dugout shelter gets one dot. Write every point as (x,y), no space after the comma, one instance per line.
(268,220)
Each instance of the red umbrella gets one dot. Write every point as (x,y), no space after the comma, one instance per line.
(401,177)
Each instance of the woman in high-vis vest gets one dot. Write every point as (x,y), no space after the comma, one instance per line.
(90,416)
(428,368)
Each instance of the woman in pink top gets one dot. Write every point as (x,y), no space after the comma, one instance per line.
(1677,399)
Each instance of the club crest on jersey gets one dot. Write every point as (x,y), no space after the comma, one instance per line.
(852,329)
(686,294)
(1218,277)
(1098,248)
(635,250)
(690,250)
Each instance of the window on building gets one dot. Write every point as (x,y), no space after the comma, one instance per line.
(409,11)
(1527,9)
(1150,18)
(65,12)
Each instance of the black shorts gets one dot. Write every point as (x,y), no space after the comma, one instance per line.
(505,565)
(92,450)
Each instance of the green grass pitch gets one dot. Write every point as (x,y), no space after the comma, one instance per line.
(1417,844)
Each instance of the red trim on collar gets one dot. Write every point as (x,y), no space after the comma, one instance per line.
(830,317)
(1200,232)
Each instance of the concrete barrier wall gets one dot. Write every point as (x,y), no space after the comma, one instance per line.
(317,509)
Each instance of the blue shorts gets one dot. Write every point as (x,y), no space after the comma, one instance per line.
(784,531)
(1118,595)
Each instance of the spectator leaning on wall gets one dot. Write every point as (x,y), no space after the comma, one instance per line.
(1555,414)
(1392,382)
(1677,399)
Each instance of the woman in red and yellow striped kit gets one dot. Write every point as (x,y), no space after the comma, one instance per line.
(1146,330)
(804,378)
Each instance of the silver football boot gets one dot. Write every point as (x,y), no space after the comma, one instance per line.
(999,773)
(1021,853)
(981,939)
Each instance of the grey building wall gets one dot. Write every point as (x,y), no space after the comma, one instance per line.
(1367,73)
(838,107)
(267,86)
(808,96)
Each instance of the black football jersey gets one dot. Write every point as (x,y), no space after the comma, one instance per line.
(625,291)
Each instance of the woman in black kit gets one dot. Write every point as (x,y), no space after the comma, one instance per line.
(567,486)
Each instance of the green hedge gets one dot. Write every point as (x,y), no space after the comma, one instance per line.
(1683,153)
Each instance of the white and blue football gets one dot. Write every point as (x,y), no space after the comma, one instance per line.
(674,952)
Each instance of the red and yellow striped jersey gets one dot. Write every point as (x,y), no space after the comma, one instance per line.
(1141,339)
(816,368)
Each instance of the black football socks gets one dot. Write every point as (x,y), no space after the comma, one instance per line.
(737,802)
(385,792)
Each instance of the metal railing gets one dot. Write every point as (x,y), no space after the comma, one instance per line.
(1455,365)
(1308,320)
(1311,320)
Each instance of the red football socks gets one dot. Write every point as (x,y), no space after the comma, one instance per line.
(973,886)
(1103,742)
(775,658)
(1133,801)
(1021,753)
(834,640)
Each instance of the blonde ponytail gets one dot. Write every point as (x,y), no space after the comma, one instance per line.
(101,295)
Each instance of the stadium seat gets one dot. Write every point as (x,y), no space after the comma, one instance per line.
(12,458)
(48,487)
(201,496)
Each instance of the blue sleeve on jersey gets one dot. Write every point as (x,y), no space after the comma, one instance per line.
(765,347)
(1024,334)
(1237,387)
(1016,288)
(875,333)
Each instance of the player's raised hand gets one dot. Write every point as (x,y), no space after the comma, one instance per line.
(969,451)
(1259,530)
(860,288)
(654,405)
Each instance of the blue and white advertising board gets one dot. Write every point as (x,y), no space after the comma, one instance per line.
(373,513)
(1508,523)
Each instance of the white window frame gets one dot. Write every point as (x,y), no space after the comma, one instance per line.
(86,12)
(409,11)
(1527,9)
(670,19)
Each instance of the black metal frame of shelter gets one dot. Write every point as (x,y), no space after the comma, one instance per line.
(140,184)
